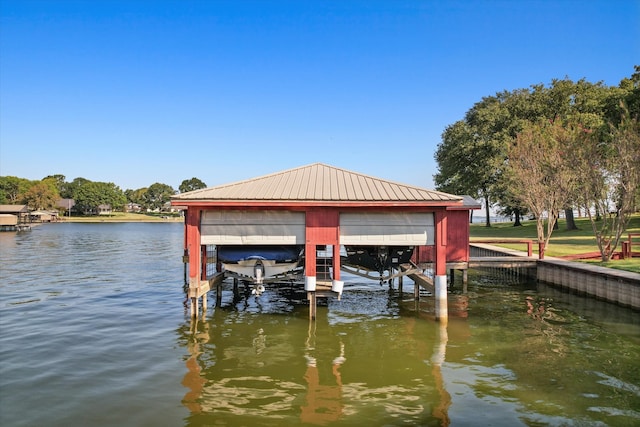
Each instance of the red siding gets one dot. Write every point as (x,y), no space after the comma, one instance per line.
(457,239)
(458,236)
(323,226)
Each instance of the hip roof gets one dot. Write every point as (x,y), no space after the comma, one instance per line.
(317,182)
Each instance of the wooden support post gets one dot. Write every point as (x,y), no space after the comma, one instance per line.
(416,291)
(204,302)
(465,280)
(219,294)
(192,242)
(311,296)
(194,307)
(400,285)
(440,267)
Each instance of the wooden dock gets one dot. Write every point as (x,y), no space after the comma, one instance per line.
(502,262)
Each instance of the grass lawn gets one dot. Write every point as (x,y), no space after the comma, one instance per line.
(562,242)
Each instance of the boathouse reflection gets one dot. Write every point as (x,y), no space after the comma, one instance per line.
(244,368)
(323,402)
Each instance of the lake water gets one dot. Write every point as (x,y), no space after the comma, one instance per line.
(94,331)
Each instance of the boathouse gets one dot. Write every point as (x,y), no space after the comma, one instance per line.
(14,218)
(321,209)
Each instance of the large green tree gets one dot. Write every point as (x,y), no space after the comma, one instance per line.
(89,195)
(157,195)
(42,195)
(13,189)
(191,185)
(472,156)
(136,196)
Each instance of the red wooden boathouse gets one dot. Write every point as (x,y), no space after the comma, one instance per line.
(323,206)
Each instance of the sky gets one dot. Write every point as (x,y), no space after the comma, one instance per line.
(136,92)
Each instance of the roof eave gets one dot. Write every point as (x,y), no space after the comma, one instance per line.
(208,203)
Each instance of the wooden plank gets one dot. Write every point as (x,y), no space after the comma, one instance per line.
(502,262)
(423,281)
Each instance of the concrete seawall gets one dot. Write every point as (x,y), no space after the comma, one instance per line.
(616,286)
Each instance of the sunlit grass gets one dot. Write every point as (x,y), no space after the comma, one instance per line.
(563,242)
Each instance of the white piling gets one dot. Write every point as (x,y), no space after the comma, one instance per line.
(442,312)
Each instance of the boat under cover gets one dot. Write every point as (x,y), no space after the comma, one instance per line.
(261,262)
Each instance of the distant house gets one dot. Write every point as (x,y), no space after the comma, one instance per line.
(133,207)
(168,208)
(105,210)
(44,216)
(66,204)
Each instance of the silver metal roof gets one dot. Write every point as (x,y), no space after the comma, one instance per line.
(318,182)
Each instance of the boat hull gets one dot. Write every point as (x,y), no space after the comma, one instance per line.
(260,263)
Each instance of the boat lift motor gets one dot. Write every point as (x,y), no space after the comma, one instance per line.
(258,273)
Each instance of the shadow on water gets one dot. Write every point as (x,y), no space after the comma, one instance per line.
(511,354)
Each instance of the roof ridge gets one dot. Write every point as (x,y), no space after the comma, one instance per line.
(261,177)
(415,187)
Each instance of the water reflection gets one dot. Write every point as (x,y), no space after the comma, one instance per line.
(98,309)
(193,379)
(323,402)
(270,369)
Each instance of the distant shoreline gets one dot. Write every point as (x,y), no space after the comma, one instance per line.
(120,217)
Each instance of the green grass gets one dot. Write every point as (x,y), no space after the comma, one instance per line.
(562,242)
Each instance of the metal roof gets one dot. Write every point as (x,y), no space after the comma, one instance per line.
(317,182)
(11,209)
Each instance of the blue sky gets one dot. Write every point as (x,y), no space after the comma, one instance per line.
(136,92)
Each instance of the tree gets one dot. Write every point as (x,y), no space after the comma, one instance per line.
(539,175)
(89,195)
(13,188)
(59,181)
(466,164)
(610,178)
(157,195)
(191,184)
(72,187)
(136,196)
(42,195)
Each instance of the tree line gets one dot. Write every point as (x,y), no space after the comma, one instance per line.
(549,148)
(87,195)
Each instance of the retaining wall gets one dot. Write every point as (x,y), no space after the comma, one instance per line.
(616,286)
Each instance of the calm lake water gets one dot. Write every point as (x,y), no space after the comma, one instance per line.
(94,332)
